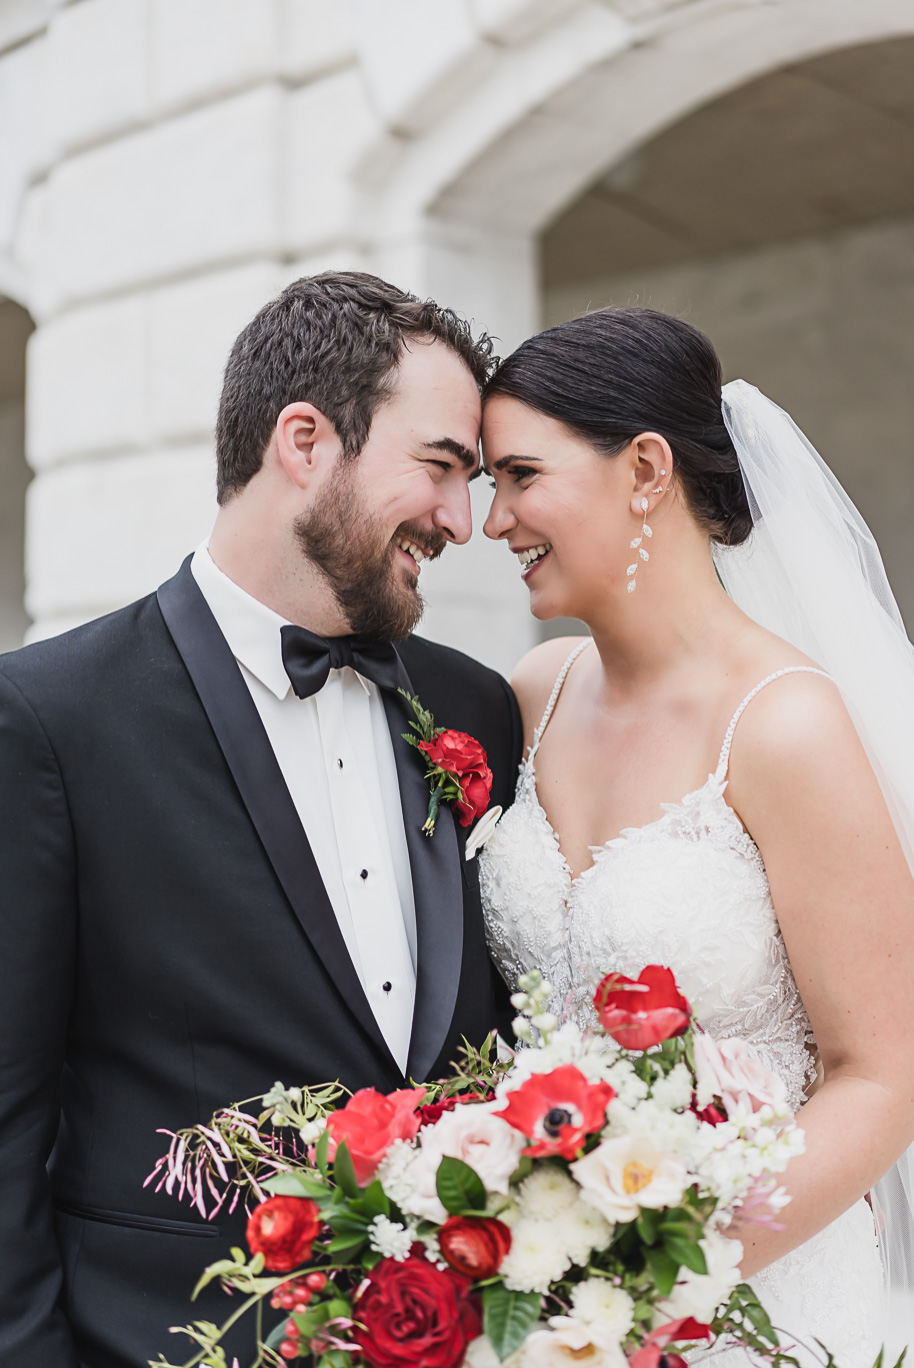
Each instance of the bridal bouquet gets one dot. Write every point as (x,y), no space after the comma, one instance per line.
(565,1204)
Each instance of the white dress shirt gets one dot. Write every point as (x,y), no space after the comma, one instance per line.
(335,753)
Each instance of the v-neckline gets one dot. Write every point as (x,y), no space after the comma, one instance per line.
(597,850)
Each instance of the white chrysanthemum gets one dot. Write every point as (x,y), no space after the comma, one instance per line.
(394,1171)
(581,1230)
(595,1299)
(700,1294)
(536,1257)
(673,1092)
(389,1238)
(546,1193)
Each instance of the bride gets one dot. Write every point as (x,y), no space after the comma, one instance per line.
(700,787)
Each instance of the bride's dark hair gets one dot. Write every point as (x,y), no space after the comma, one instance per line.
(614,373)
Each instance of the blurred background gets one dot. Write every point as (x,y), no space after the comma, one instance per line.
(167,165)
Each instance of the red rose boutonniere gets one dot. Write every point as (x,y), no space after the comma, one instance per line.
(457,770)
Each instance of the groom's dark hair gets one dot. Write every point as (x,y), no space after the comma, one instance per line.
(333,340)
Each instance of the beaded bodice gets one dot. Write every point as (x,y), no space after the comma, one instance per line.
(688,890)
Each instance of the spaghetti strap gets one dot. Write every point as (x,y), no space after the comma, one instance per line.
(554,697)
(724,761)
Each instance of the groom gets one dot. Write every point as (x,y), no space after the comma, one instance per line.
(212,869)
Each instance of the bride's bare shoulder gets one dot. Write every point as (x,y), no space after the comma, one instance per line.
(536,673)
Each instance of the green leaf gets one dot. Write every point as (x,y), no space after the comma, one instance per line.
(375,1201)
(648,1225)
(296,1185)
(344,1248)
(459,1187)
(663,1269)
(344,1171)
(508,1317)
(686,1252)
(759,1317)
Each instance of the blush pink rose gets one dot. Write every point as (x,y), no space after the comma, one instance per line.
(732,1071)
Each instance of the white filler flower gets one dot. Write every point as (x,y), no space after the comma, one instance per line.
(699,1294)
(623,1175)
(390,1239)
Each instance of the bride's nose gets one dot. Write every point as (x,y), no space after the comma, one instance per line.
(501,521)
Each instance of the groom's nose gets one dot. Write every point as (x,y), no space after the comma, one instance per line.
(454,516)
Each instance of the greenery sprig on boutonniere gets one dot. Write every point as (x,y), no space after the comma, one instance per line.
(457,769)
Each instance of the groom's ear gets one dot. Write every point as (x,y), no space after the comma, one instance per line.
(306,443)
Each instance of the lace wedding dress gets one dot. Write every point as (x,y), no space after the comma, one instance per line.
(689,891)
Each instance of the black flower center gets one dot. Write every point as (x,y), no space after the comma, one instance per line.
(555,1119)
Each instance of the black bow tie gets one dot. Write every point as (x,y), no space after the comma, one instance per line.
(309,659)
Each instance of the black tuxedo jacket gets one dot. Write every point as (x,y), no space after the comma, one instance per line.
(167,947)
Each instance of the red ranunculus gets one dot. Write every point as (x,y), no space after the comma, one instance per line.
(283,1229)
(370,1122)
(558,1110)
(642,1012)
(651,1353)
(463,757)
(413,1312)
(474,1245)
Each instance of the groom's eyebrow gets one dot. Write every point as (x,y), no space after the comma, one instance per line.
(467,458)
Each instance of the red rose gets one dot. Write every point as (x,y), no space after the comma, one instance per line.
(474,1245)
(370,1123)
(642,1012)
(558,1110)
(413,1312)
(283,1229)
(463,757)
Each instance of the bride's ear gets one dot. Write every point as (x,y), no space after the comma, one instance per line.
(651,469)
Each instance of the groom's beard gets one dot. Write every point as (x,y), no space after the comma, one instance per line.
(353,554)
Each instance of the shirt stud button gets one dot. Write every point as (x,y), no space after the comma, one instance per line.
(339,764)
(364,874)
(386,986)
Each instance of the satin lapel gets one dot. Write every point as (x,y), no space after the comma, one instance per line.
(247,750)
(438,891)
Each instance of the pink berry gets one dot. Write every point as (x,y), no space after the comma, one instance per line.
(288,1350)
(291,1330)
(287,1301)
(316,1282)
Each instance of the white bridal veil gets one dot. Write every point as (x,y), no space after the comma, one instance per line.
(811,572)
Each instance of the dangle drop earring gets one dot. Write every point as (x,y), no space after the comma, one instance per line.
(637,544)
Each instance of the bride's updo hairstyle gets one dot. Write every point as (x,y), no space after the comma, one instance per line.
(615,373)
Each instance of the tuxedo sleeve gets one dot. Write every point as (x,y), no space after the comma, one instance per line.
(37,951)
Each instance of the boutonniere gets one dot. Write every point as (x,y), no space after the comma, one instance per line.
(457,769)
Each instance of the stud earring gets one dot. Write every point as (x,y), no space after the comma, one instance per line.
(637,544)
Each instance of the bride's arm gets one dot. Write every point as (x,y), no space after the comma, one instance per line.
(844,896)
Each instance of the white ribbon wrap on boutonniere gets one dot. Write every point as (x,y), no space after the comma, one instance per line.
(482,831)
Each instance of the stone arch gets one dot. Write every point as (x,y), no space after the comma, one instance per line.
(463,206)
(552,116)
(15,326)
